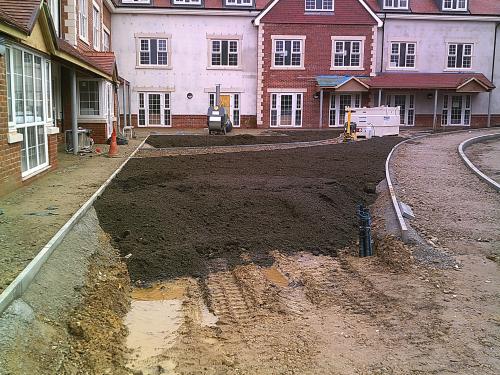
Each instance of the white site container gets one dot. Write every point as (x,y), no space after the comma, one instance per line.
(376,121)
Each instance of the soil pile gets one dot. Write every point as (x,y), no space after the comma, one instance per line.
(164,141)
(175,214)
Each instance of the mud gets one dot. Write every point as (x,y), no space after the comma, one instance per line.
(164,141)
(173,216)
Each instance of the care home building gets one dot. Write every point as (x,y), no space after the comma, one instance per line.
(56,73)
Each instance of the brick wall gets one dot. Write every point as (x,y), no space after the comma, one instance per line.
(80,44)
(98,131)
(199,121)
(317,61)
(10,154)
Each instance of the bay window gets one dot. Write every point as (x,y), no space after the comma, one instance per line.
(29,101)
(155,109)
(286,110)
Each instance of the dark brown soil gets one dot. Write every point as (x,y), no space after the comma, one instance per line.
(165,141)
(174,214)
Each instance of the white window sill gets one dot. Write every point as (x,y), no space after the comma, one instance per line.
(224,67)
(347,68)
(33,173)
(52,130)
(453,125)
(14,137)
(396,68)
(457,69)
(84,40)
(92,119)
(158,67)
(287,68)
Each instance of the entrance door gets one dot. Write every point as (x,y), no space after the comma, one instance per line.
(456,110)
(338,104)
(225,102)
(406,104)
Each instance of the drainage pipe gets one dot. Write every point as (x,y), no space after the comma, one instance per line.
(490,96)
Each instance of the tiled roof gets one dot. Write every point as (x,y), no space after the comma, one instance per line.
(442,81)
(102,61)
(20,14)
(476,7)
(206,4)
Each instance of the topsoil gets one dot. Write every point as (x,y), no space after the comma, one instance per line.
(165,141)
(172,215)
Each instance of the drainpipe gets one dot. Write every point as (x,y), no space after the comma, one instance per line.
(124,105)
(490,96)
(434,118)
(217,95)
(383,46)
(129,105)
(74,108)
(321,108)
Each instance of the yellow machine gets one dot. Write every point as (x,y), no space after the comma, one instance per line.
(349,128)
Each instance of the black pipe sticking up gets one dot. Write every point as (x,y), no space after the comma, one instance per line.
(365,232)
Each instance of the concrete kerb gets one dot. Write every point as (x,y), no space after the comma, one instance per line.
(403,227)
(461,151)
(22,281)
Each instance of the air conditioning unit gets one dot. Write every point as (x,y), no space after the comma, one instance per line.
(85,140)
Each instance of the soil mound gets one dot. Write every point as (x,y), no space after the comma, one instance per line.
(165,141)
(175,214)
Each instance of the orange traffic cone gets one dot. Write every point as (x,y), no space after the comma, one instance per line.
(113,146)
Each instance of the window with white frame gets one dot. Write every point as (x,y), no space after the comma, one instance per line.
(105,40)
(242,3)
(29,102)
(96,27)
(83,19)
(347,54)
(54,12)
(459,55)
(455,5)
(234,106)
(288,53)
(153,51)
(319,5)
(395,4)
(338,104)
(403,55)
(187,2)
(155,109)
(456,110)
(224,53)
(286,109)
(89,93)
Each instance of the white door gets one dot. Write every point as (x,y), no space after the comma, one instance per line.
(338,104)
(286,110)
(406,104)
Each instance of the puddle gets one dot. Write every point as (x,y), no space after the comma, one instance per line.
(207,318)
(275,276)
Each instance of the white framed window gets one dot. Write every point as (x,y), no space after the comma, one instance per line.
(286,110)
(224,53)
(155,109)
(154,52)
(29,102)
(319,5)
(233,109)
(456,110)
(89,97)
(395,4)
(96,27)
(459,55)
(83,17)
(55,13)
(106,37)
(406,104)
(242,3)
(347,54)
(338,104)
(460,5)
(187,2)
(288,53)
(403,55)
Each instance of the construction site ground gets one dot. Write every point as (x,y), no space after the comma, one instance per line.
(271,302)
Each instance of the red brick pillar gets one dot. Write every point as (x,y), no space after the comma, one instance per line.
(10,154)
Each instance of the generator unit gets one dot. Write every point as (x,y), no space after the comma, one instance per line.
(377,121)
(218,121)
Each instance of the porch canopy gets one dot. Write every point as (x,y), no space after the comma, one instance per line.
(338,83)
(458,82)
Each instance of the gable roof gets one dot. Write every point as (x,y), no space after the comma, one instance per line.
(345,13)
(20,15)
(476,7)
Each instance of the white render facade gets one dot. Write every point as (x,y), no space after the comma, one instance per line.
(186,77)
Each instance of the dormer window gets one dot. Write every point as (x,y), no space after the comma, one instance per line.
(460,5)
(319,5)
(395,4)
(186,2)
(239,3)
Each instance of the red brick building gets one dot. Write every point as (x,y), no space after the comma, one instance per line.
(312,59)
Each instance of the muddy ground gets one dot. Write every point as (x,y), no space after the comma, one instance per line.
(172,216)
(164,141)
